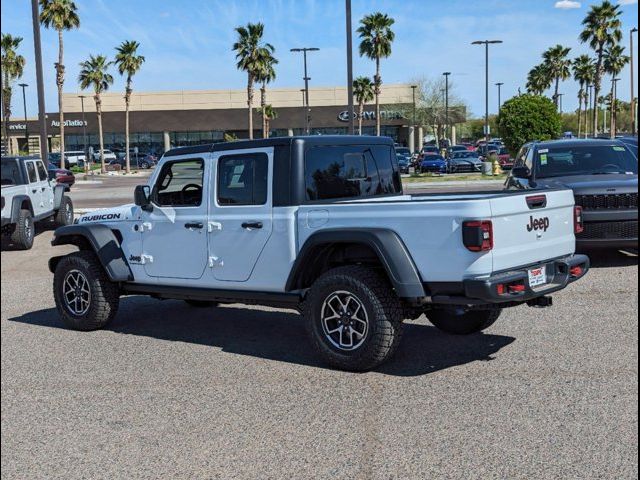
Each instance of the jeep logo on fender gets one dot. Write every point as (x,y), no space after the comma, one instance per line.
(106,216)
(538,224)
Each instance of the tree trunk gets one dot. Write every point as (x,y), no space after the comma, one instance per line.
(360,115)
(579,112)
(103,167)
(597,81)
(250,103)
(127,101)
(263,104)
(377,82)
(556,91)
(6,111)
(612,125)
(60,83)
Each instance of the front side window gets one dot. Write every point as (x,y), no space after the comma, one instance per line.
(179,184)
(42,173)
(31,172)
(10,173)
(333,172)
(242,179)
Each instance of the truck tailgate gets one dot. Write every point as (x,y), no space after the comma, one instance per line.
(532,227)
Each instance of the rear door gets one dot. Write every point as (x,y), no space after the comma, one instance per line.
(529,228)
(240,222)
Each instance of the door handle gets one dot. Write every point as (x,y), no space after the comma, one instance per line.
(43,189)
(35,190)
(193,225)
(251,225)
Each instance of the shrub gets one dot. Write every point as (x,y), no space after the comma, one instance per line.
(528,117)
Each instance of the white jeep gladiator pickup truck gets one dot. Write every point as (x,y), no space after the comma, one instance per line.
(28,196)
(319,224)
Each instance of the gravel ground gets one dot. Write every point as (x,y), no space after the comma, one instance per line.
(168,391)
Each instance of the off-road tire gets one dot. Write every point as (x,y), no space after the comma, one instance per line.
(104,294)
(463,322)
(383,309)
(64,215)
(24,232)
(201,303)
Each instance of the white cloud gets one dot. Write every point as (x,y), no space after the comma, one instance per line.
(627,2)
(567,4)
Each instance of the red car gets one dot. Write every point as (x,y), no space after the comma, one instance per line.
(504,159)
(62,176)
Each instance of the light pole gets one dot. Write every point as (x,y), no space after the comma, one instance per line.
(499,85)
(413,91)
(24,104)
(588,116)
(486,44)
(44,146)
(560,95)
(633,98)
(350,67)
(84,130)
(446,104)
(304,51)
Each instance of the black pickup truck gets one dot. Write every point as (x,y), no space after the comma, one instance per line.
(603,175)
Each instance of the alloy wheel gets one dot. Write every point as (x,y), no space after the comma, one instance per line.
(76,292)
(345,322)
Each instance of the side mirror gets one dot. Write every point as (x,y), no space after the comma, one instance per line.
(521,172)
(142,196)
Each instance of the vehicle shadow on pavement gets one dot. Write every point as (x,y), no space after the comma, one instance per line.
(41,227)
(611,258)
(278,335)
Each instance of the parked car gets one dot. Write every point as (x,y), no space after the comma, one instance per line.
(486,149)
(433,163)
(108,155)
(456,148)
(137,161)
(72,158)
(465,162)
(603,175)
(403,163)
(62,176)
(298,222)
(504,159)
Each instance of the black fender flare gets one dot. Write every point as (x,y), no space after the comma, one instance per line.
(102,241)
(16,206)
(387,245)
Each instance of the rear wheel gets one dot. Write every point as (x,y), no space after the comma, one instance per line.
(463,322)
(85,297)
(64,215)
(353,318)
(22,236)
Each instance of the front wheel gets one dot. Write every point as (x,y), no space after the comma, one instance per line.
(462,322)
(85,297)
(64,215)
(353,317)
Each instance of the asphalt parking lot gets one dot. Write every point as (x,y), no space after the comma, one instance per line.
(168,391)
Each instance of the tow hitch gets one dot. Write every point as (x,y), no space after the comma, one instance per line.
(540,302)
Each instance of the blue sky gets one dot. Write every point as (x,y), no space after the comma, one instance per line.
(188,43)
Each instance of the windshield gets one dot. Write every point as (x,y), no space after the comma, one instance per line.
(585,160)
(403,151)
(465,155)
(10,173)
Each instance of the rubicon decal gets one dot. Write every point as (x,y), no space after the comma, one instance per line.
(538,224)
(105,216)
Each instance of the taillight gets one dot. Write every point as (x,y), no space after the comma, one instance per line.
(477,236)
(577,220)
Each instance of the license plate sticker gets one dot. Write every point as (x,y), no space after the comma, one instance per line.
(537,276)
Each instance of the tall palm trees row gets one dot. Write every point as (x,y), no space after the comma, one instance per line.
(12,65)
(256,57)
(602,32)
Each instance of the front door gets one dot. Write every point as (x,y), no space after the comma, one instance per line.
(35,189)
(174,235)
(241,215)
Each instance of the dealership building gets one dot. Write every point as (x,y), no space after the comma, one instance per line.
(163,120)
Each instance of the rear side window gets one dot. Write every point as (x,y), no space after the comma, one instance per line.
(42,173)
(334,172)
(242,179)
(31,172)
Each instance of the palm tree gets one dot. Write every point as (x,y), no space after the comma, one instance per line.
(364,92)
(376,39)
(129,62)
(582,70)
(268,113)
(614,60)
(93,73)
(538,80)
(266,74)
(12,69)
(60,15)
(601,29)
(558,66)
(250,53)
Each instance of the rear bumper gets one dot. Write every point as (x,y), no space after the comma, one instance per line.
(484,291)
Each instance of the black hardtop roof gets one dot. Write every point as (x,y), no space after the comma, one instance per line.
(575,142)
(20,158)
(311,140)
